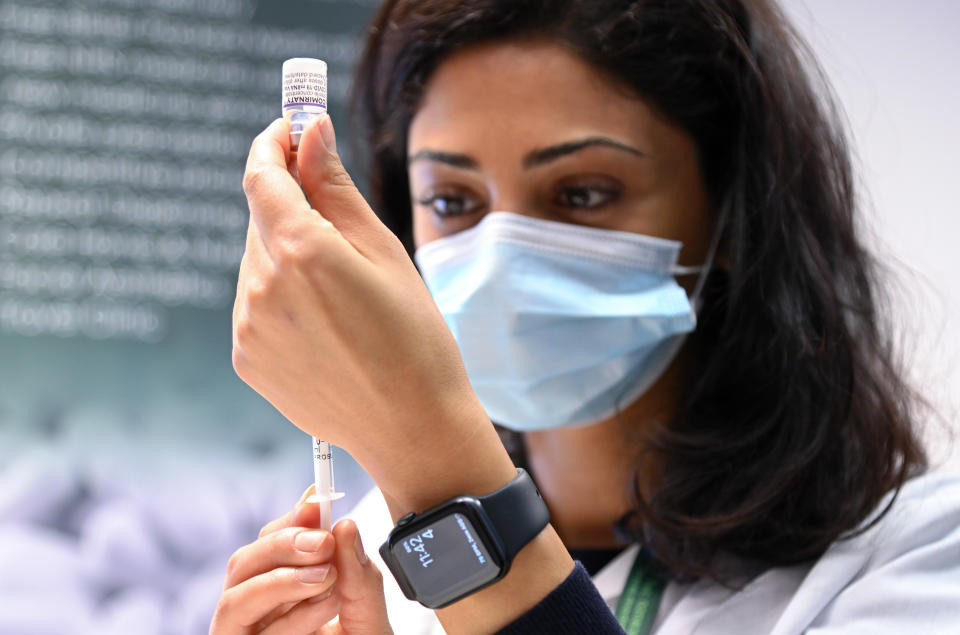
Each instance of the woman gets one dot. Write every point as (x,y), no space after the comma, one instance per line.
(674,321)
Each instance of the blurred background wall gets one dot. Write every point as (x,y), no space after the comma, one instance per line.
(132,461)
(894,67)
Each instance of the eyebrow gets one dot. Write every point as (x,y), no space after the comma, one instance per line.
(533,159)
(450,158)
(552,153)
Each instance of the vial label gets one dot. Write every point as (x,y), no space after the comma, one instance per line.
(305,88)
(304,95)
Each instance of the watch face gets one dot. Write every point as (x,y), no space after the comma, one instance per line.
(444,559)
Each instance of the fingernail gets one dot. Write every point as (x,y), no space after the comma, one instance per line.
(327,134)
(306,493)
(358,547)
(320,598)
(313,575)
(309,541)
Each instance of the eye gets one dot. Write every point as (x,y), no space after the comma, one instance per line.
(450,203)
(586,195)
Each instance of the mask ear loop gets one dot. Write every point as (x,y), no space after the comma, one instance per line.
(705,269)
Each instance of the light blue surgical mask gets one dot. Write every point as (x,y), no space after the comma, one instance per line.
(558,324)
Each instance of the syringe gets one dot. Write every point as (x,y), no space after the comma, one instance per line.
(324,491)
(304,99)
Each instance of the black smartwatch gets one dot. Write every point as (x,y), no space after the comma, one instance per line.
(464,544)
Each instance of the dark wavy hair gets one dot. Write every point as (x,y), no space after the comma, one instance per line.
(795,421)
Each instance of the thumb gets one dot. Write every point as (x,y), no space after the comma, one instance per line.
(363,609)
(333,193)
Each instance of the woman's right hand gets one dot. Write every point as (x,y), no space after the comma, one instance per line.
(333,326)
(295,579)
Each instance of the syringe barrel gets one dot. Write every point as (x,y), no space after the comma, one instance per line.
(323,481)
(322,468)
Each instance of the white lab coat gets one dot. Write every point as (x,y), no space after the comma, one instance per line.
(900,576)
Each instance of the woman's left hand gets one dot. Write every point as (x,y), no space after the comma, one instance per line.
(263,593)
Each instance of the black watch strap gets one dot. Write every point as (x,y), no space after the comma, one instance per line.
(517,511)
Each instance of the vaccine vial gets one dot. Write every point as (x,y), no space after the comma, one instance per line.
(304,94)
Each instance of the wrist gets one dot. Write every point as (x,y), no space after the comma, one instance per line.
(540,567)
(456,453)
(445,554)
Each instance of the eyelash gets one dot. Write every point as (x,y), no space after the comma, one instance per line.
(432,200)
(456,203)
(607,196)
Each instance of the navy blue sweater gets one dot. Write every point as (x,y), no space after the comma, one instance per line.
(573,607)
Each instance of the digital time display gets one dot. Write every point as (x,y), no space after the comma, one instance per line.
(444,559)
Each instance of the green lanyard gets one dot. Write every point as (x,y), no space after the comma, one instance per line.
(638,603)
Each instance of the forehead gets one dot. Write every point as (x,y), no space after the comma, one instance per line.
(533,94)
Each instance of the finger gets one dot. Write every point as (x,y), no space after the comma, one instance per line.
(307,514)
(278,612)
(293,546)
(363,608)
(254,248)
(292,166)
(252,600)
(238,300)
(285,520)
(254,266)
(277,204)
(305,617)
(333,193)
